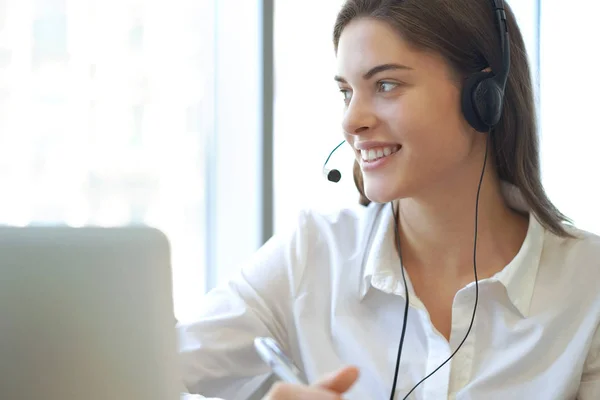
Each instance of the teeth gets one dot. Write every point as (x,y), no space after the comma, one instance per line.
(375,154)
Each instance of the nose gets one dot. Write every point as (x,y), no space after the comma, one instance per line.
(359,117)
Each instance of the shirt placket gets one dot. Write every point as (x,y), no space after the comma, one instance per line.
(462,362)
(436,386)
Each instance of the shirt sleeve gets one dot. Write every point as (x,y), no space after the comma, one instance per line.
(589,387)
(217,355)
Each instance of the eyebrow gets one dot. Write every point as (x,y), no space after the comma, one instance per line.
(375,70)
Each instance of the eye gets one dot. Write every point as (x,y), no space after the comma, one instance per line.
(386,86)
(347,94)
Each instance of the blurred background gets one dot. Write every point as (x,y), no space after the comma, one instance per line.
(211,119)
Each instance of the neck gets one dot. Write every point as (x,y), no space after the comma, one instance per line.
(437,227)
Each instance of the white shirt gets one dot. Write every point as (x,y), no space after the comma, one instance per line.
(331,293)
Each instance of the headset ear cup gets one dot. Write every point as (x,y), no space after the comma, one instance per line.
(488,97)
(470,95)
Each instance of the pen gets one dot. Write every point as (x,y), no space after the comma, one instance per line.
(279,363)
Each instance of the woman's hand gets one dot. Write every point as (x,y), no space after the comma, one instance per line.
(330,388)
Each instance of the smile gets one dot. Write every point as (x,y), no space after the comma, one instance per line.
(378,153)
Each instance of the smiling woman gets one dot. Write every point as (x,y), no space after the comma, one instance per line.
(423,99)
(458,256)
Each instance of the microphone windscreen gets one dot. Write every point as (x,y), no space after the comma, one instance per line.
(334,175)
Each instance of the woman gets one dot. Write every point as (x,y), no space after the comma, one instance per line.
(456,221)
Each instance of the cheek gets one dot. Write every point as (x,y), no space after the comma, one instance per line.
(425,108)
(439,108)
(432,130)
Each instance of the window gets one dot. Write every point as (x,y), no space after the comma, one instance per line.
(308,112)
(104,109)
(570,137)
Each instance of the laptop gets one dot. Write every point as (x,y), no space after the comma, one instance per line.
(86,314)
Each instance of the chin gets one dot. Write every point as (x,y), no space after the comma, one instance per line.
(382,193)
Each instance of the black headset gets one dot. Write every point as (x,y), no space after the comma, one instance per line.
(483,92)
(482,101)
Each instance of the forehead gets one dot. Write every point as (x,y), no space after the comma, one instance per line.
(365,43)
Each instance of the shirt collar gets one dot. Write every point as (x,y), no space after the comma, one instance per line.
(381,265)
(518,277)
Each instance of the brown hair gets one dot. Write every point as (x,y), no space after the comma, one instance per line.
(465,33)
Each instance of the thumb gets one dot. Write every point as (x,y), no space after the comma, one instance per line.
(340,381)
